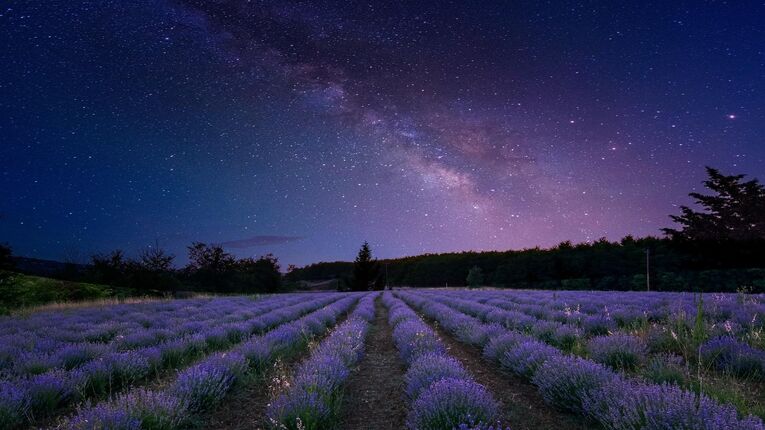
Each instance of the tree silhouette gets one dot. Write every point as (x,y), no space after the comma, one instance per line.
(365,269)
(6,260)
(735,212)
(210,266)
(475,277)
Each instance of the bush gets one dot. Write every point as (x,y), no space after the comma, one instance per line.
(730,355)
(564,381)
(618,351)
(526,357)
(430,368)
(450,402)
(621,404)
(666,369)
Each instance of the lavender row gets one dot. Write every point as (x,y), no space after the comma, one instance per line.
(28,355)
(37,397)
(624,351)
(737,315)
(584,387)
(443,394)
(314,396)
(204,385)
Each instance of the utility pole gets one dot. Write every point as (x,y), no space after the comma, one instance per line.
(648,269)
(386,275)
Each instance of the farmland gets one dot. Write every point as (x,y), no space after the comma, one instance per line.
(410,358)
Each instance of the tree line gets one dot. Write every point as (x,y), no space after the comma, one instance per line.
(210,269)
(718,247)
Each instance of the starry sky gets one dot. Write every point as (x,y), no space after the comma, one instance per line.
(303,128)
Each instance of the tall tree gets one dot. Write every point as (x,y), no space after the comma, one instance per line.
(6,260)
(365,269)
(735,212)
(211,266)
(474,277)
(259,275)
(153,270)
(108,268)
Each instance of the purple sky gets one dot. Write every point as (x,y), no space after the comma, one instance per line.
(305,128)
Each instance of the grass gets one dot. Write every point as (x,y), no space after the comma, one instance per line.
(21,293)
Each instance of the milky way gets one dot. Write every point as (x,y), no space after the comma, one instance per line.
(304,128)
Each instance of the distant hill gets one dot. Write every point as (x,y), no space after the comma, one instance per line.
(41,267)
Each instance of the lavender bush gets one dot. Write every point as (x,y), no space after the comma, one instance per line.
(314,396)
(429,368)
(618,351)
(450,402)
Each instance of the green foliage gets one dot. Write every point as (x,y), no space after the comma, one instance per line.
(475,277)
(19,291)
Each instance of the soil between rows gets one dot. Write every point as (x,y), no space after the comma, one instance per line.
(521,405)
(374,395)
(245,407)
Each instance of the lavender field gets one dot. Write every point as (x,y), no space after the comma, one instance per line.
(438,359)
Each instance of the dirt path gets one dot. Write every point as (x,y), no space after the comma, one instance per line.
(522,408)
(245,407)
(374,396)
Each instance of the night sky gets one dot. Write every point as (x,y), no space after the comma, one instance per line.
(305,128)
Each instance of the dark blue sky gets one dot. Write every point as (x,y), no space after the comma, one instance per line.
(304,128)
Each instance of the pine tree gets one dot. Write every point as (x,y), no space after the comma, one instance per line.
(736,211)
(365,269)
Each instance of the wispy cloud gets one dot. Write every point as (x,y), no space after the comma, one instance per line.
(253,241)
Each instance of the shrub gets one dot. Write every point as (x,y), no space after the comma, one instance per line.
(618,351)
(628,405)
(139,409)
(564,381)
(13,405)
(430,368)
(204,385)
(596,325)
(414,338)
(666,369)
(497,346)
(526,357)
(451,402)
(47,392)
(731,355)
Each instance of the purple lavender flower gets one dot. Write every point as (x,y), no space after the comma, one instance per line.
(622,404)
(205,384)
(414,338)
(73,355)
(497,346)
(618,351)
(93,379)
(47,392)
(128,367)
(598,324)
(731,355)
(13,405)
(299,410)
(563,381)
(139,409)
(429,368)
(525,358)
(450,402)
